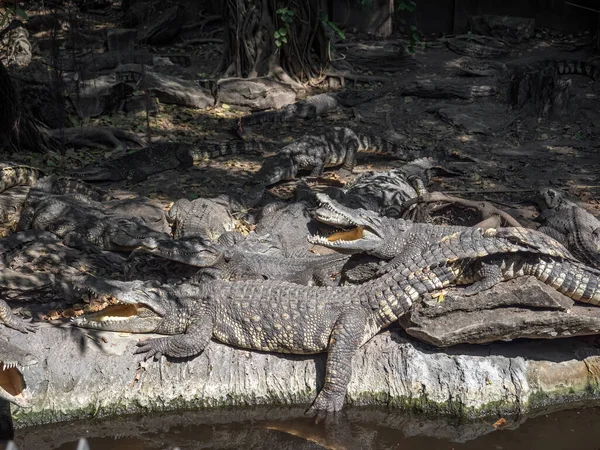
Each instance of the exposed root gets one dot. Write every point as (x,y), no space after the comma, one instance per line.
(486,209)
(96,137)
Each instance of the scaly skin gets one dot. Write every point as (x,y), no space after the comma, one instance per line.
(17,175)
(286,318)
(207,218)
(335,147)
(386,192)
(236,264)
(84,227)
(571,225)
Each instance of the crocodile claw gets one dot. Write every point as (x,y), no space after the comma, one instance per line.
(25,326)
(151,348)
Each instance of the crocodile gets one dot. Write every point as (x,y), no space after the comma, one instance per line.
(204,217)
(235,264)
(140,164)
(84,226)
(14,360)
(366,231)
(13,174)
(386,192)
(281,317)
(11,203)
(307,109)
(571,225)
(335,147)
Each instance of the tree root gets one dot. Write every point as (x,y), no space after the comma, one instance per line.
(486,209)
(96,137)
(356,77)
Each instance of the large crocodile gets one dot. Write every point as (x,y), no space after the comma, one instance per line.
(137,166)
(286,318)
(234,263)
(571,225)
(335,147)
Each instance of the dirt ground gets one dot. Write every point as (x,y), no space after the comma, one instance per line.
(515,153)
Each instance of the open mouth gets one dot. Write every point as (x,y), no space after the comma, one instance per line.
(12,383)
(129,314)
(346,228)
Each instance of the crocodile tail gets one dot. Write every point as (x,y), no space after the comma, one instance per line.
(11,176)
(377,144)
(570,278)
(578,68)
(202,150)
(285,114)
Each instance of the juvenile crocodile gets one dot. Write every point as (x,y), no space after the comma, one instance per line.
(13,360)
(386,192)
(12,174)
(336,146)
(137,166)
(307,109)
(236,264)
(281,317)
(84,226)
(571,225)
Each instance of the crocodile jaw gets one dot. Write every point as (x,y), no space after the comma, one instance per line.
(12,384)
(129,318)
(365,235)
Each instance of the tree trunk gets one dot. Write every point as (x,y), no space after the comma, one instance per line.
(252,49)
(18,130)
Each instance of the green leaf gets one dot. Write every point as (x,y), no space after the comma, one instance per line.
(278,43)
(282,32)
(281,11)
(290,13)
(284,39)
(21,13)
(276,35)
(412,28)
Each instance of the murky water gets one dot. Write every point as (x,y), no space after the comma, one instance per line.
(357,428)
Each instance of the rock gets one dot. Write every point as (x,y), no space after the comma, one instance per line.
(85,373)
(521,308)
(258,93)
(175,90)
(511,29)
(99,95)
(141,103)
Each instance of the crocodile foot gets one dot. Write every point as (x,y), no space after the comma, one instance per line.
(152,348)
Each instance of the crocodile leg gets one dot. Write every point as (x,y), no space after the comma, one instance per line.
(318,169)
(191,343)
(12,321)
(491,275)
(344,340)
(350,160)
(554,234)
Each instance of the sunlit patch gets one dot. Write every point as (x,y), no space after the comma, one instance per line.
(351,235)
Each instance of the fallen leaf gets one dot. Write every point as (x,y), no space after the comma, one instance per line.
(499,423)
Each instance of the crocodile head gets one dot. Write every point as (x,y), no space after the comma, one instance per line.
(549,198)
(142,306)
(13,362)
(362,230)
(276,168)
(126,235)
(193,251)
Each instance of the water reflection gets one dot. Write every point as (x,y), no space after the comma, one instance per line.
(287,428)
